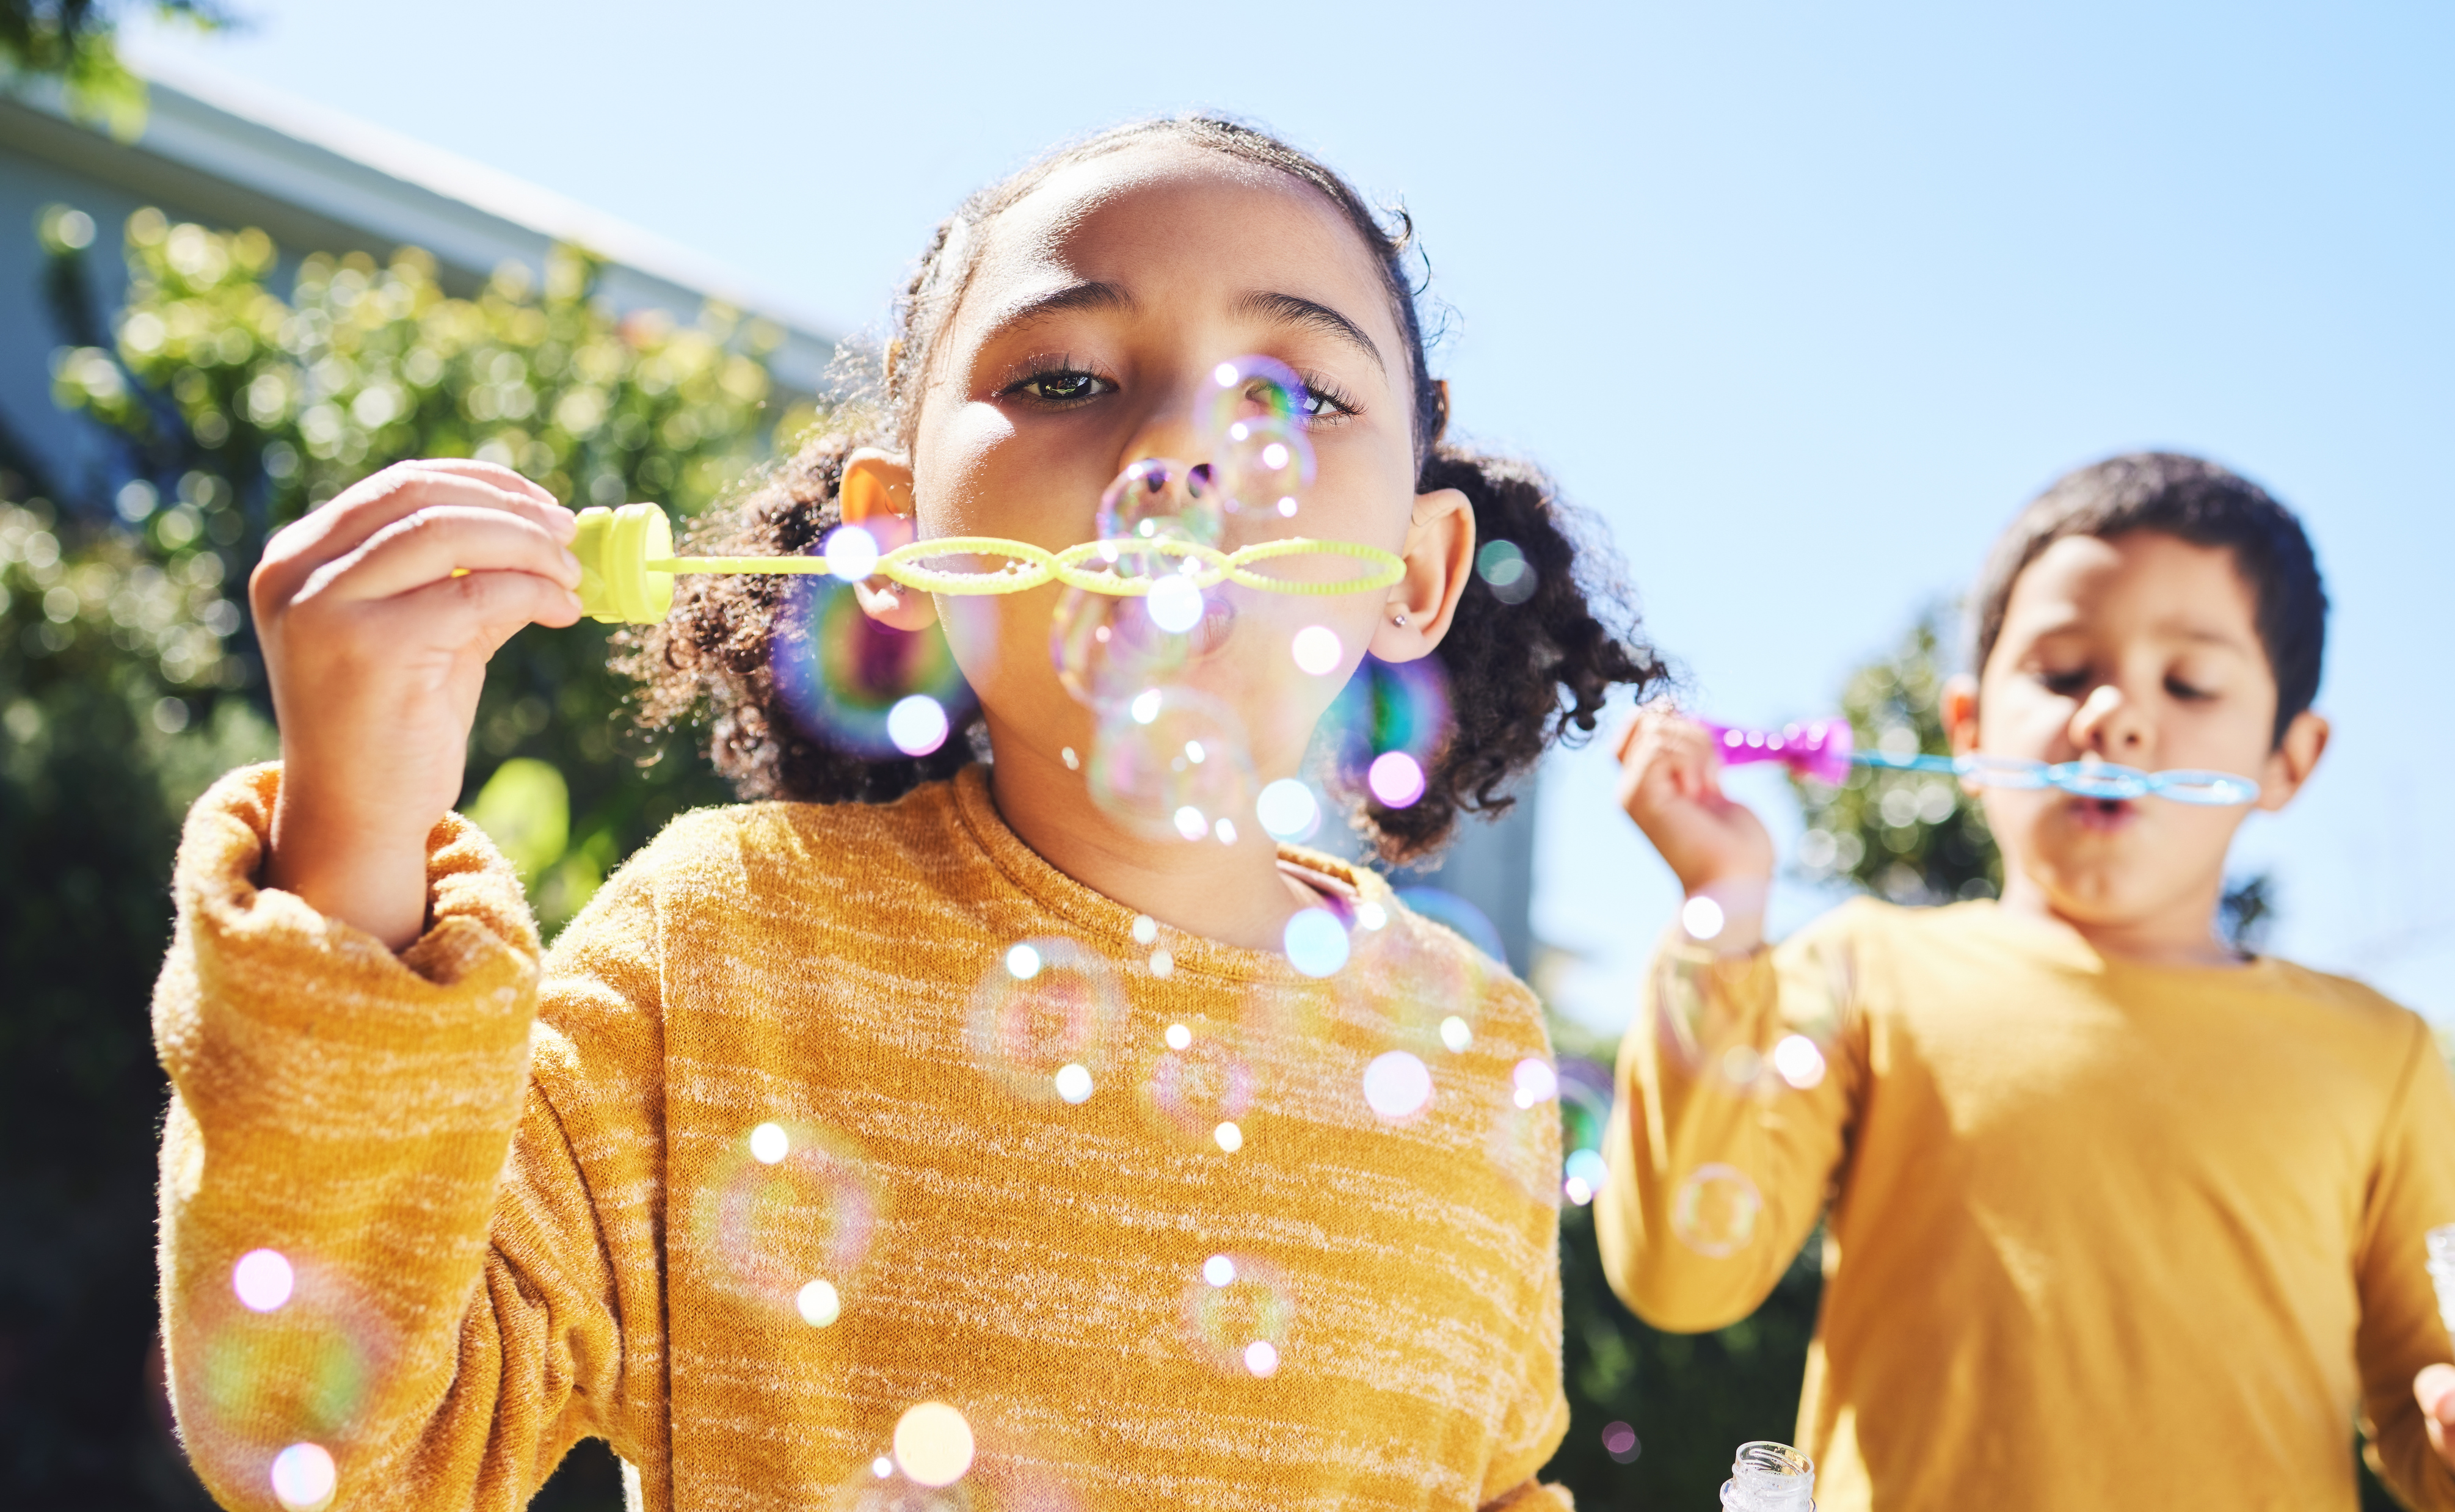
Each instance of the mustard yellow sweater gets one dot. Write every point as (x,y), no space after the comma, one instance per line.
(2099,1234)
(522,1204)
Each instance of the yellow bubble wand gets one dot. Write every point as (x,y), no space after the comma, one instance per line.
(627,565)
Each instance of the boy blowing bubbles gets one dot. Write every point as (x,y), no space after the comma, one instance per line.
(2117,1216)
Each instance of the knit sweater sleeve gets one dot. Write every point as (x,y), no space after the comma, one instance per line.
(407,1231)
(1726,1137)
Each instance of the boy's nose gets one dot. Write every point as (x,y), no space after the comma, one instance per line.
(2108,724)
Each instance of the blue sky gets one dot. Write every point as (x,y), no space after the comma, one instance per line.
(1803,300)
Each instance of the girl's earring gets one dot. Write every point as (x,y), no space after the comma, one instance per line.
(1399,620)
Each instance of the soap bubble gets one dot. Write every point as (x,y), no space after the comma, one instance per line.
(1583,1175)
(852,553)
(1525,1147)
(1714,1210)
(933,1443)
(1506,570)
(1798,1062)
(1387,708)
(1110,646)
(1255,420)
(1620,1442)
(818,1304)
(1155,499)
(1457,1033)
(1317,650)
(1288,810)
(303,1477)
(262,1280)
(1315,941)
(1057,1018)
(1533,1081)
(1172,762)
(262,1382)
(858,686)
(1174,603)
(1190,1089)
(1224,1319)
(1397,1085)
(1426,977)
(778,1225)
(1701,917)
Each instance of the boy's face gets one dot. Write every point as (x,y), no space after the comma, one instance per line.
(2140,651)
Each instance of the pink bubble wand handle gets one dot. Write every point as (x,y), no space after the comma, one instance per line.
(1818,749)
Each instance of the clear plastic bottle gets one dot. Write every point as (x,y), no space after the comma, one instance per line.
(1770,1478)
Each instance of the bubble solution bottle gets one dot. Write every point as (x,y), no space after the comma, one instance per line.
(1770,1478)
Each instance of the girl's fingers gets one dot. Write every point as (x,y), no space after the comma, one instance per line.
(494,472)
(383,499)
(480,608)
(432,544)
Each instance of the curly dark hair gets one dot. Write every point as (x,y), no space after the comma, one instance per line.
(1525,669)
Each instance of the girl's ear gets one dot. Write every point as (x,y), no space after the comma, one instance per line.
(876,494)
(1440,556)
(2295,757)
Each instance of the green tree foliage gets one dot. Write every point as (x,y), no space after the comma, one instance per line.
(76,42)
(129,679)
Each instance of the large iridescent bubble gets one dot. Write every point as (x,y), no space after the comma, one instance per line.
(1110,646)
(1239,1315)
(858,685)
(1254,419)
(1197,1087)
(788,1213)
(1170,761)
(1385,729)
(1043,1020)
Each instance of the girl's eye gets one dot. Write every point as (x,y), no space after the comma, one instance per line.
(1323,403)
(2187,693)
(2064,684)
(1061,386)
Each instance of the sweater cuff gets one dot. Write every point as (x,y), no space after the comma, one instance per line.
(265,956)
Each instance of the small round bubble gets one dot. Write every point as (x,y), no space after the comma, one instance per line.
(263,1280)
(1146,929)
(917,725)
(1798,1062)
(1701,917)
(1235,1302)
(1456,1034)
(1534,1081)
(1315,941)
(1174,604)
(852,553)
(1396,1084)
(769,1144)
(1073,1082)
(1162,963)
(1586,1172)
(881,1467)
(1317,650)
(1287,810)
(1219,1270)
(1396,778)
(1262,1358)
(303,1477)
(818,1304)
(1178,1037)
(1022,963)
(933,1443)
(1714,1210)
(1230,1139)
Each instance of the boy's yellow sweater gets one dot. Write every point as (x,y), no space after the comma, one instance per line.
(526,1205)
(2099,1235)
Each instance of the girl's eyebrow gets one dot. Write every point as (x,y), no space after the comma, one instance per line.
(1090,295)
(1294,309)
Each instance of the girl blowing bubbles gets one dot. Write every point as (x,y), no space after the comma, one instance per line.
(754,1176)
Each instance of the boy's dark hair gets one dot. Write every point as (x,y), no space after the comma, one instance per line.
(2202,503)
(1523,672)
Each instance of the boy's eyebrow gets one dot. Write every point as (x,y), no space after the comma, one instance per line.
(1294,309)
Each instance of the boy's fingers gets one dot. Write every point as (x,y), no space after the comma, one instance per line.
(432,544)
(2434,1389)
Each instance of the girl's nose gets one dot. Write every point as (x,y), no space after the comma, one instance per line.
(2108,724)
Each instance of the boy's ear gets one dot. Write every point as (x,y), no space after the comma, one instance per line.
(1440,556)
(1960,711)
(2295,757)
(876,494)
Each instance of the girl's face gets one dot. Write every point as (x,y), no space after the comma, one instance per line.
(1098,308)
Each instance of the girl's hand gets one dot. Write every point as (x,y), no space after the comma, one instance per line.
(1669,782)
(2434,1389)
(375,652)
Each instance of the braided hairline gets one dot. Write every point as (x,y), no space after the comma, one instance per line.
(945,271)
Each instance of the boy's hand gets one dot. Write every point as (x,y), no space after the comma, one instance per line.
(1670,784)
(2434,1388)
(375,652)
